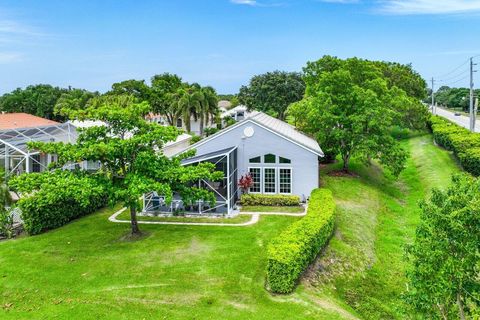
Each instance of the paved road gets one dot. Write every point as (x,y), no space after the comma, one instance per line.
(463,121)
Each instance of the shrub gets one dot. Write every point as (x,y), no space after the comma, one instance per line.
(293,250)
(52,199)
(464,144)
(470,160)
(6,223)
(269,200)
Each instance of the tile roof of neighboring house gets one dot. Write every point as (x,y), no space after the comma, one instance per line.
(279,127)
(22,120)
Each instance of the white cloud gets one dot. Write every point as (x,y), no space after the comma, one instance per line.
(9,57)
(340,1)
(410,7)
(245,2)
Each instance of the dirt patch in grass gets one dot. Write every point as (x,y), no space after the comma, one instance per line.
(129,237)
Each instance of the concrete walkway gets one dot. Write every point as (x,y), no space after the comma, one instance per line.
(252,221)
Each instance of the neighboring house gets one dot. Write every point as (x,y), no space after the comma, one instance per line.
(174,147)
(238,113)
(280,159)
(194,123)
(16,129)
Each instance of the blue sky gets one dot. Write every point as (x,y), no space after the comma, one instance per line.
(93,43)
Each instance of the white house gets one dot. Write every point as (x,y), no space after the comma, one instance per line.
(280,159)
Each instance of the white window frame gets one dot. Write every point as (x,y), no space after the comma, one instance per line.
(261,179)
(291,180)
(276,180)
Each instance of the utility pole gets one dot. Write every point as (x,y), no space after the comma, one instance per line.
(472,107)
(433,97)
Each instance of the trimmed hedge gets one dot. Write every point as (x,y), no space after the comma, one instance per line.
(54,199)
(293,250)
(269,200)
(464,144)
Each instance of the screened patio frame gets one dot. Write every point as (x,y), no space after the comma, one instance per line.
(13,144)
(152,202)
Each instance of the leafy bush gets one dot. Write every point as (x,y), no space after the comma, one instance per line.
(464,144)
(293,250)
(195,139)
(269,200)
(6,223)
(470,160)
(210,131)
(52,199)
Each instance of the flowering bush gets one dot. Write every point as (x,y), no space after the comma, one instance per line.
(245,182)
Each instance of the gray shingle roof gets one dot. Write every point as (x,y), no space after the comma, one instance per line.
(286,130)
(279,127)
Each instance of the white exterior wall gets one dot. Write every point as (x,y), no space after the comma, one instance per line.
(304,163)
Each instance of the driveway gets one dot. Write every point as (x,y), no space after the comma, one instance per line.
(461,120)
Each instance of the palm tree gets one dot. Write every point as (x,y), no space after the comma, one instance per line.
(190,104)
(210,104)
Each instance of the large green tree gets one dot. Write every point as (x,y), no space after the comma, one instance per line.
(273,92)
(350,108)
(38,100)
(444,272)
(136,88)
(128,148)
(73,99)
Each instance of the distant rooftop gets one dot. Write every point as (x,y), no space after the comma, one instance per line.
(22,120)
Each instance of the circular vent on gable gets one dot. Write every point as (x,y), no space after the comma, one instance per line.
(248,132)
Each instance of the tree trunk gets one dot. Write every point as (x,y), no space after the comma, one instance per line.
(202,119)
(461,313)
(134,223)
(346,161)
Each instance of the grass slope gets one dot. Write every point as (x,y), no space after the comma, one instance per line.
(377,215)
(85,270)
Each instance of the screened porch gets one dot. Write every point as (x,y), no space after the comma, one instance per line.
(225,190)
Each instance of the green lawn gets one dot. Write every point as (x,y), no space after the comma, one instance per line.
(235,220)
(376,217)
(293,209)
(85,270)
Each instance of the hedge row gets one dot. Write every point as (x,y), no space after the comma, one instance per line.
(293,250)
(464,144)
(57,199)
(269,200)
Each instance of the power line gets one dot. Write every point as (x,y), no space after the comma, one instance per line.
(448,73)
(462,73)
(456,81)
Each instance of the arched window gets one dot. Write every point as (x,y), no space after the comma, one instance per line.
(269,158)
(179,123)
